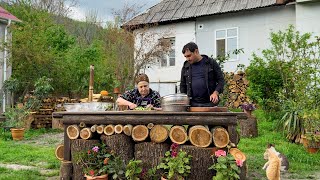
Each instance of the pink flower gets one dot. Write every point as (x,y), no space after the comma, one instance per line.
(220,153)
(95,149)
(174,154)
(174,146)
(239,162)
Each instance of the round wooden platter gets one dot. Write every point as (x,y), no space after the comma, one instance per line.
(208,109)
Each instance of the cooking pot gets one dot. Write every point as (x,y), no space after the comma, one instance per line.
(175,102)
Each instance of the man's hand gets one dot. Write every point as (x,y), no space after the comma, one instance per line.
(214,97)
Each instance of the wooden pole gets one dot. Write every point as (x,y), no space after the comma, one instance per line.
(91,83)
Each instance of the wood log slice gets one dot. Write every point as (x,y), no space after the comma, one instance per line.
(100,128)
(150,153)
(109,130)
(85,133)
(94,128)
(237,154)
(127,129)
(200,162)
(78,145)
(200,136)
(118,128)
(121,144)
(150,125)
(178,134)
(66,170)
(220,137)
(248,127)
(159,133)
(59,152)
(139,133)
(73,131)
(82,125)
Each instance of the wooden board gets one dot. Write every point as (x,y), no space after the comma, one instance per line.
(208,109)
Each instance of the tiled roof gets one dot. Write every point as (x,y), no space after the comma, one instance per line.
(4,14)
(171,10)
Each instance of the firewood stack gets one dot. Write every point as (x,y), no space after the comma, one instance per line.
(43,117)
(236,87)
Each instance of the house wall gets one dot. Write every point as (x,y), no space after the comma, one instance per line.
(307,15)
(254,29)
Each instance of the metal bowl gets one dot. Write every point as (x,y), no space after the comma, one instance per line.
(175,108)
(175,99)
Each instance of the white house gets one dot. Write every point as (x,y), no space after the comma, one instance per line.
(220,26)
(5,36)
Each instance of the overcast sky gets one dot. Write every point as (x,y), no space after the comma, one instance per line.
(104,7)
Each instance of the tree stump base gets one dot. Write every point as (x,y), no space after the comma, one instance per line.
(150,153)
(121,144)
(78,145)
(248,127)
(66,170)
(200,162)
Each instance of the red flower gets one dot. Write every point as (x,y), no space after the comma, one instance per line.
(220,153)
(174,146)
(106,160)
(89,151)
(174,154)
(91,172)
(239,162)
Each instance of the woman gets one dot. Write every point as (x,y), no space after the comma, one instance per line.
(141,96)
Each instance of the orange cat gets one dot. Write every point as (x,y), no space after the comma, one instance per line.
(273,165)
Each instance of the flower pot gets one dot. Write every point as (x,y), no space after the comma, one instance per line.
(101,177)
(17,133)
(312,150)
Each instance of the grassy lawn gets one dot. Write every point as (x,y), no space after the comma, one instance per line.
(37,151)
(302,163)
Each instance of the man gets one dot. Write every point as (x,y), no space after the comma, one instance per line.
(201,78)
(142,95)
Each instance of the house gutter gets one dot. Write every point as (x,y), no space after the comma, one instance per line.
(5,63)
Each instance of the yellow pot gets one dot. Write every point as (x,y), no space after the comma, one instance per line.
(17,133)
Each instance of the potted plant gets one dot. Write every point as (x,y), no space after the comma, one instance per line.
(95,162)
(15,120)
(176,164)
(133,169)
(225,165)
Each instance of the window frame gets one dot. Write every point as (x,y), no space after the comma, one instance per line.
(167,55)
(226,41)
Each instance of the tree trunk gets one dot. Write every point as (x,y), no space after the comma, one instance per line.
(150,153)
(200,136)
(178,134)
(118,129)
(78,145)
(248,127)
(66,170)
(100,128)
(127,129)
(220,137)
(121,144)
(200,162)
(139,133)
(158,133)
(93,128)
(109,130)
(73,131)
(59,152)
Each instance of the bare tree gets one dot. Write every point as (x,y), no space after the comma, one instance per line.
(127,12)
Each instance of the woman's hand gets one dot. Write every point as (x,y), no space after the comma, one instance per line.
(132,106)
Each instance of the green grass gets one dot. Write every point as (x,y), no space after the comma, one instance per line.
(29,153)
(301,162)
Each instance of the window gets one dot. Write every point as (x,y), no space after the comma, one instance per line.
(169,59)
(227,42)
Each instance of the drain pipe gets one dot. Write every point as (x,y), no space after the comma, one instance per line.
(5,54)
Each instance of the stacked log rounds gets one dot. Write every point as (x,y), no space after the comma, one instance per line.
(140,133)
(200,136)
(220,137)
(118,128)
(78,145)
(59,152)
(159,133)
(127,129)
(150,153)
(100,128)
(178,134)
(85,133)
(73,131)
(109,130)
(200,162)
(121,144)
(94,128)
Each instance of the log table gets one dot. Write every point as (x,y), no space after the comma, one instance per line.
(225,119)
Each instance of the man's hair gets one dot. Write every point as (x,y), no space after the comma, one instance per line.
(191,46)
